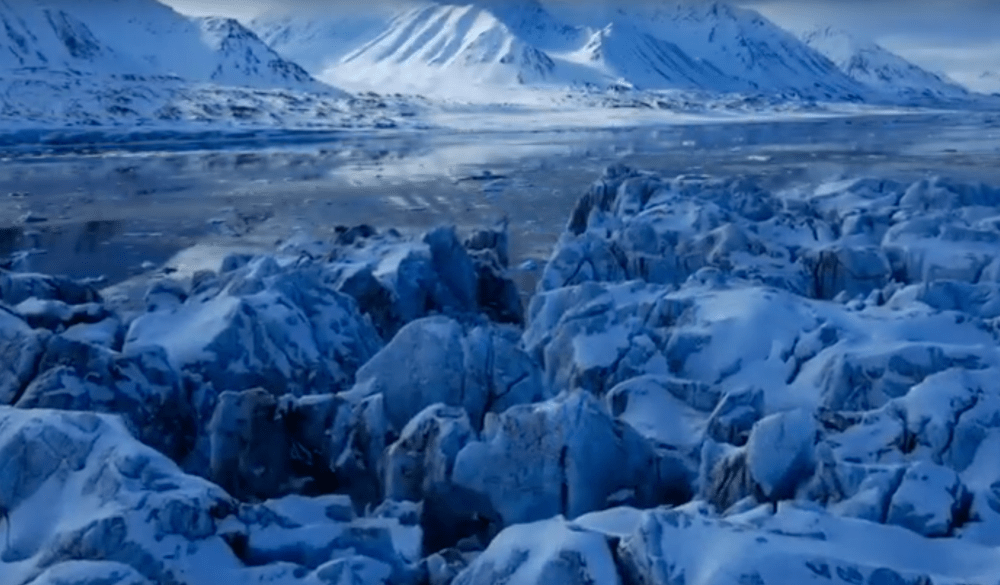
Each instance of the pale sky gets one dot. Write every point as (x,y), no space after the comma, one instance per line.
(958,37)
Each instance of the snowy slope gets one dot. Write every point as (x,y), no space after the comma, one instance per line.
(317,40)
(881,69)
(449,47)
(139,38)
(755,54)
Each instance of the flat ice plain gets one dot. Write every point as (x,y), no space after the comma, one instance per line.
(707,353)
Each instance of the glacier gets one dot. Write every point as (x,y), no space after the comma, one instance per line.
(765,355)
(713,381)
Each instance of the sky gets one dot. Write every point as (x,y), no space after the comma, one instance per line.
(960,38)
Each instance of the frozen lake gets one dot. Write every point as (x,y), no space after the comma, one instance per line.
(117,214)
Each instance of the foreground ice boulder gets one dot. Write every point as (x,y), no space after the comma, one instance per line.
(564,456)
(20,350)
(780,452)
(437,359)
(142,387)
(278,327)
(397,280)
(15,288)
(84,500)
(544,552)
(792,546)
(130,505)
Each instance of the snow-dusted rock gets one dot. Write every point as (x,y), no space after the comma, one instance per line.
(564,456)
(55,315)
(931,500)
(780,452)
(17,287)
(249,445)
(735,415)
(130,505)
(398,279)
(853,271)
(883,71)
(543,552)
(357,456)
(20,350)
(86,503)
(425,452)
(282,328)
(795,545)
(151,398)
(438,359)
(724,477)
(315,532)
(667,410)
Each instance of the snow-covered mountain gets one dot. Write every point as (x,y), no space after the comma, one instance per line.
(733,49)
(880,69)
(317,39)
(138,63)
(450,47)
(139,38)
(441,47)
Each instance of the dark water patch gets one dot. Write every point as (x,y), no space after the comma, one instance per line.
(90,249)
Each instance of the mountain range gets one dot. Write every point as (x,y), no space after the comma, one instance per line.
(139,38)
(438,47)
(99,62)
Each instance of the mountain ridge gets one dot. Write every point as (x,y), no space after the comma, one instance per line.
(663,46)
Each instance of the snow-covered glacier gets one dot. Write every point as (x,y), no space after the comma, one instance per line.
(715,382)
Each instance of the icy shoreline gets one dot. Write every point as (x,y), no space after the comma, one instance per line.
(317,120)
(714,383)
